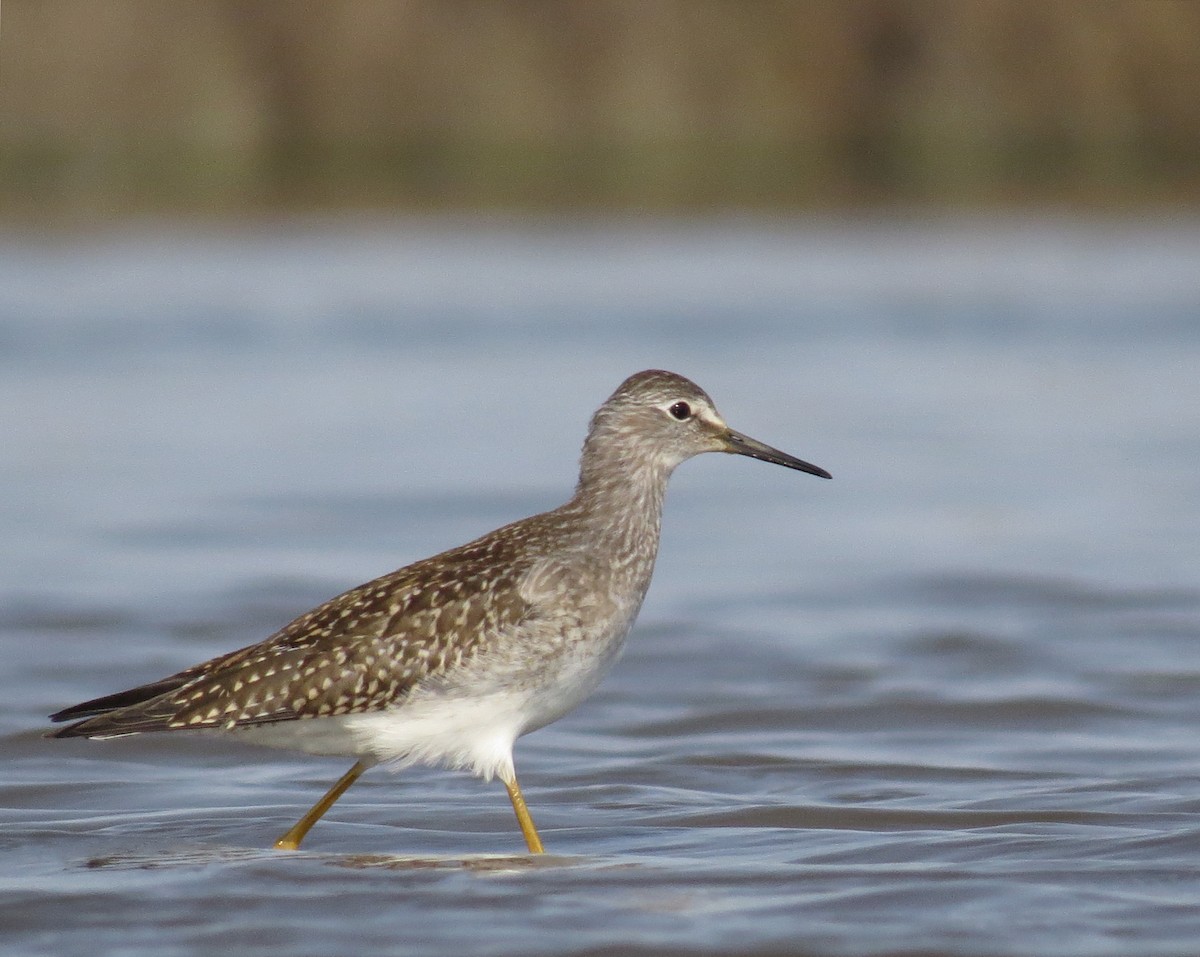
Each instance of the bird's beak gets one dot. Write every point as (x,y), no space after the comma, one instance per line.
(738,444)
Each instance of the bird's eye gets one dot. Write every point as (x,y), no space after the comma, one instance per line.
(681,411)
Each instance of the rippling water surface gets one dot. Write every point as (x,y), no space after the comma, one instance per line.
(945,704)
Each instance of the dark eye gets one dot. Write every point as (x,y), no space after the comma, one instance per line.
(681,411)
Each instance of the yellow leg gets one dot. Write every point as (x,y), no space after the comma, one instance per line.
(291,840)
(523,818)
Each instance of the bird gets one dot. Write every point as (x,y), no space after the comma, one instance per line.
(449,660)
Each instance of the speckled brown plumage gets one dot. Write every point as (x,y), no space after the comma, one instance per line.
(450,659)
(361,651)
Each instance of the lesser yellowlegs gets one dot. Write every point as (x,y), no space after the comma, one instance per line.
(449,660)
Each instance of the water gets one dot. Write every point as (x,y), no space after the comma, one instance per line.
(945,704)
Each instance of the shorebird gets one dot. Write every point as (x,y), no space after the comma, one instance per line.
(449,660)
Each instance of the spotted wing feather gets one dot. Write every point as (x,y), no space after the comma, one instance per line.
(361,651)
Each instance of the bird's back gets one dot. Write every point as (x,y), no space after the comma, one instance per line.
(363,650)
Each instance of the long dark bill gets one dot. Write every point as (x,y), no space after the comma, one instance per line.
(739,444)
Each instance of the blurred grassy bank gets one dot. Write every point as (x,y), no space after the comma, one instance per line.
(227,105)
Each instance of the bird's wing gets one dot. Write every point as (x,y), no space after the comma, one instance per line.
(361,651)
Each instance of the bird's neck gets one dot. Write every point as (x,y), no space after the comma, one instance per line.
(620,506)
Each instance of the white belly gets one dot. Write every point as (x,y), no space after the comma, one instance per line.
(469,719)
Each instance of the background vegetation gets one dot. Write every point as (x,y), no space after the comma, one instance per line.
(221,105)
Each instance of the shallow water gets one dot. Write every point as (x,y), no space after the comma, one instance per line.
(944,704)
